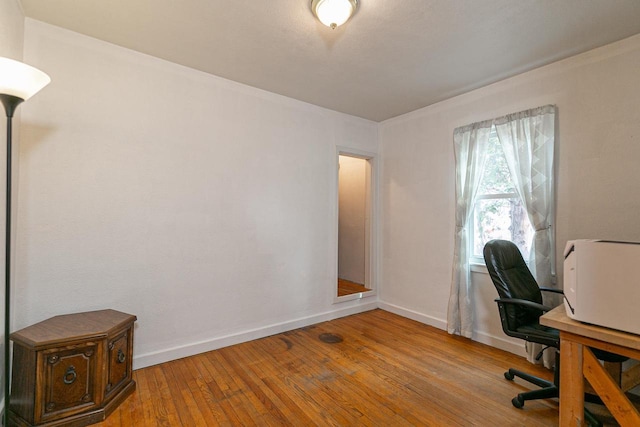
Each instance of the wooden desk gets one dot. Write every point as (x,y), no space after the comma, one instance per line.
(577,360)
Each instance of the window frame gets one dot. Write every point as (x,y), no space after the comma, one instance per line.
(479,260)
(474,259)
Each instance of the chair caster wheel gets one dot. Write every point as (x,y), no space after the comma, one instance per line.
(518,402)
(508,375)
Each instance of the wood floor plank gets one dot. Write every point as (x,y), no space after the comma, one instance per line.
(287,371)
(384,373)
(268,386)
(349,390)
(260,397)
(213,394)
(201,394)
(183,386)
(231,400)
(346,287)
(450,378)
(165,409)
(387,370)
(143,392)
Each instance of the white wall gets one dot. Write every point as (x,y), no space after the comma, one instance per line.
(352,210)
(598,100)
(205,207)
(11,30)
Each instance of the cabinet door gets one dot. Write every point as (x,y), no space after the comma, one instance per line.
(69,380)
(119,365)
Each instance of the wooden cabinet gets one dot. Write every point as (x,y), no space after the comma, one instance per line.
(71,370)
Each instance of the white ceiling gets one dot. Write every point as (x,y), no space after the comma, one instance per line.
(392,57)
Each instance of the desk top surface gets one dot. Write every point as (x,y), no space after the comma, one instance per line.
(557,318)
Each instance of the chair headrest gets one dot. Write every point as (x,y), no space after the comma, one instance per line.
(509,272)
(503,255)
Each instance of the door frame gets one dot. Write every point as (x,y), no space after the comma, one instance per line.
(371,234)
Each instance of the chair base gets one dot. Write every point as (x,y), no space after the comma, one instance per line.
(549,390)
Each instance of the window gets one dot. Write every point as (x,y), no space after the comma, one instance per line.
(487,205)
(498,212)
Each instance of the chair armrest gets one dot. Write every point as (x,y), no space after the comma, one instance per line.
(524,303)
(555,291)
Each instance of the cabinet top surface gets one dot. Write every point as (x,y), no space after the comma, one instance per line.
(78,326)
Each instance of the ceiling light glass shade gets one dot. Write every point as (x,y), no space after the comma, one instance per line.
(333,13)
(20,80)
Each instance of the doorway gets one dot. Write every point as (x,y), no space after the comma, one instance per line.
(354,224)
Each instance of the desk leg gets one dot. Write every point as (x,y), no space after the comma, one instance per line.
(571,383)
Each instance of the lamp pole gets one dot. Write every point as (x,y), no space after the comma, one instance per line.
(10,104)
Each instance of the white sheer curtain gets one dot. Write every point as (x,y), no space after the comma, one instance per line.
(528,139)
(469,147)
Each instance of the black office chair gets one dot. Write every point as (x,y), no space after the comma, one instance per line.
(521,306)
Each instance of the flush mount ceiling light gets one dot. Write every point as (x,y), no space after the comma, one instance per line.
(333,13)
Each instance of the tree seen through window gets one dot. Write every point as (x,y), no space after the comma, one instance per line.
(499,213)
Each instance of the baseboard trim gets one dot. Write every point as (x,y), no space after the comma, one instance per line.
(515,347)
(166,355)
(414,315)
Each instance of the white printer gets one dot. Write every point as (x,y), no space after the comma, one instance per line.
(601,283)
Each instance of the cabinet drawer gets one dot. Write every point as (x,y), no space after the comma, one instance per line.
(119,362)
(68,384)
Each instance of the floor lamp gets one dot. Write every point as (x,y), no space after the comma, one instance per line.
(18,82)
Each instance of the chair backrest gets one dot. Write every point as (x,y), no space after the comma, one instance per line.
(512,279)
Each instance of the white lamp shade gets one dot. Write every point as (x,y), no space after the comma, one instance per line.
(20,80)
(333,13)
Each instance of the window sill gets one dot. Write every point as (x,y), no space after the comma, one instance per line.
(476,267)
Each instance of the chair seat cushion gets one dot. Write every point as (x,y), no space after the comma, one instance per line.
(540,334)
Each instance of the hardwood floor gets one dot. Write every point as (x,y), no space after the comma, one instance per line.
(346,287)
(386,371)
